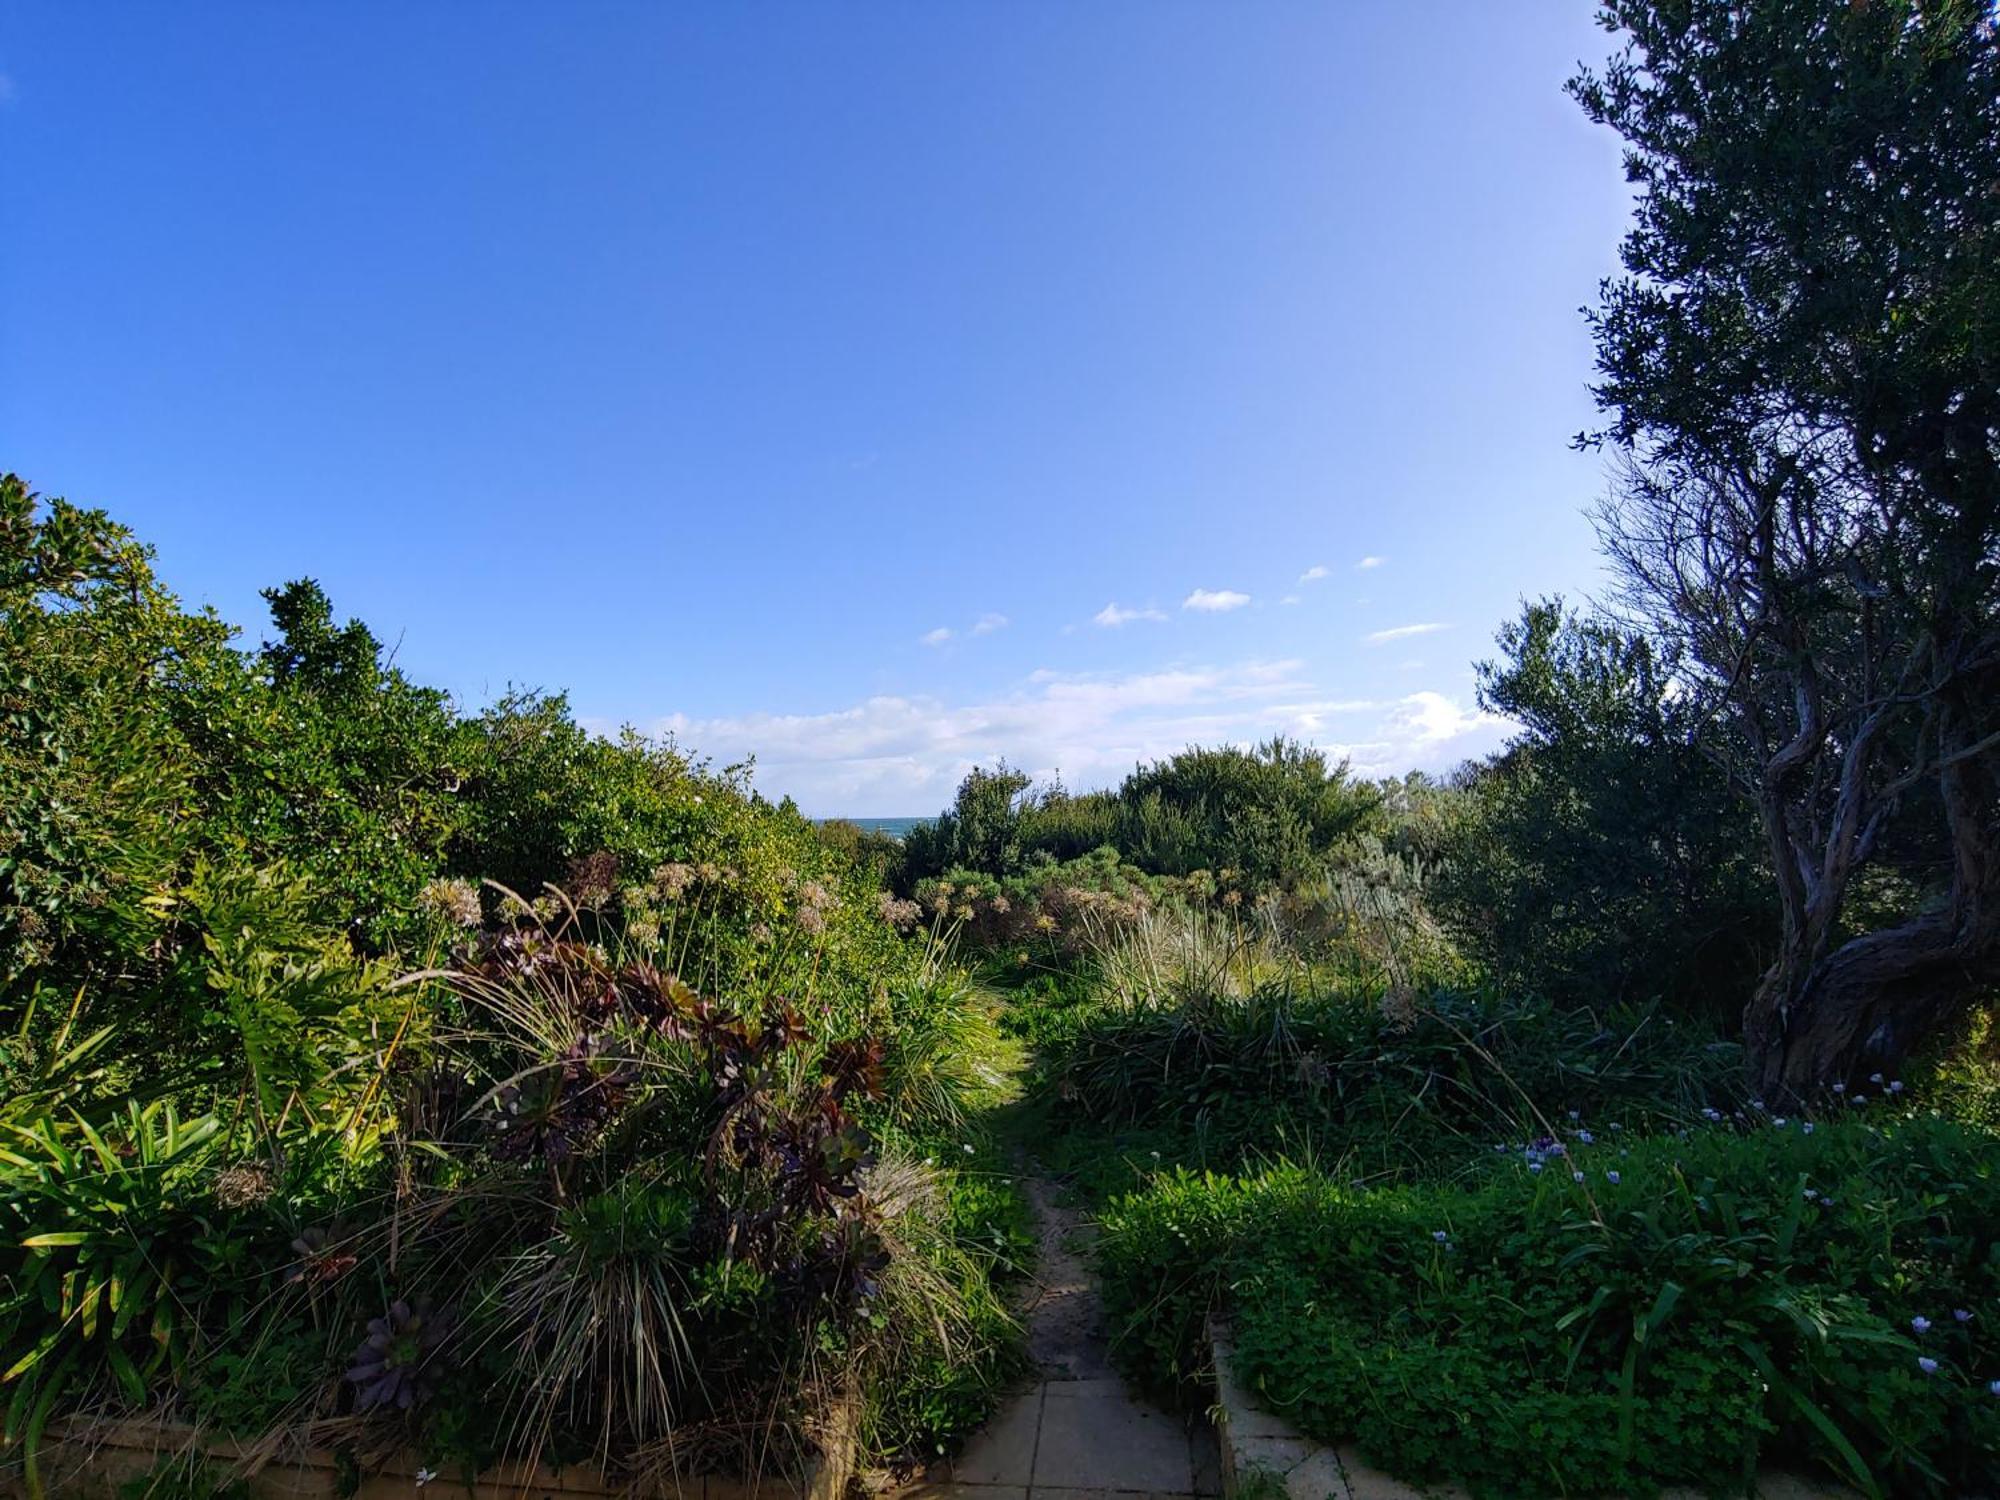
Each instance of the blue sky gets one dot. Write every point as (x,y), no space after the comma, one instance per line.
(876,388)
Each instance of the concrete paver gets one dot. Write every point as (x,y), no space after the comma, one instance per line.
(1103,1439)
(1003,1452)
(1078,1434)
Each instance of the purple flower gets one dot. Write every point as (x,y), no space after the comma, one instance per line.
(1896,1086)
(1534,1166)
(1576,1176)
(1963,1314)
(1840,1088)
(1807,1127)
(1612,1178)
(1994,1387)
(1874,1077)
(1780,1122)
(1927,1364)
(1586,1137)
(1920,1324)
(1438,1235)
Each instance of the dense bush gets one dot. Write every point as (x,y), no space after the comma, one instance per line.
(472,1083)
(1231,1044)
(1602,856)
(1680,1310)
(1255,819)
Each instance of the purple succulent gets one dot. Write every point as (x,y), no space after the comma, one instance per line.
(396,1365)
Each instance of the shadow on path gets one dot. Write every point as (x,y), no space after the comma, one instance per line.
(1076,1433)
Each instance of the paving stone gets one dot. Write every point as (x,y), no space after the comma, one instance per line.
(1097,1388)
(1003,1452)
(1274,1455)
(1366,1482)
(1205,1457)
(934,1491)
(1319,1476)
(1103,1439)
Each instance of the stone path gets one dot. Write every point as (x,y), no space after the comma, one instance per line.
(1077,1434)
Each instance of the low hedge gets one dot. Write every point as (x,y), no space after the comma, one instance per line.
(1598,1315)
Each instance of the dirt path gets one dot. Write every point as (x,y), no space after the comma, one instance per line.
(1076,1434)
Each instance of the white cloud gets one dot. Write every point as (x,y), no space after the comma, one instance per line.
(1421,732)
(1289,599)
(989,622)
(1114,615)
(1404,632)
(1215,601)
(1317,570)
(891,755)
(1370,562)
(936,637)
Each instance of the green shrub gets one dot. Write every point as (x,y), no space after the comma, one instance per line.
(1692,1306)
(1231,1042)
(1603,856)
(1269,817)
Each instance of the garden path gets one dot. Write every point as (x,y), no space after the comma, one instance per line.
(1077,1433)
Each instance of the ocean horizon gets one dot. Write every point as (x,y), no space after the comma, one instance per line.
(896,828)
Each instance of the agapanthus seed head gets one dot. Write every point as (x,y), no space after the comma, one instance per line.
(451,900)
(243,1184)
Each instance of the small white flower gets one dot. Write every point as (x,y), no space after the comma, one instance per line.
(425,1476)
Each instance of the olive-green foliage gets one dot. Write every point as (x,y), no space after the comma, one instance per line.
(212,864)
(94,781)
(136,741)
(1269,817)
(103,1275)
(873,853)
(1690,1307)
(1602,858)
(1253,1052)
(1275,813)
(291,1011)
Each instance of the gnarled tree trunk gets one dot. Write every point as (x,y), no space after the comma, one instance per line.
(1838,1017)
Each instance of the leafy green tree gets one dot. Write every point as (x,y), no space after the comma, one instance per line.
(1273,815)
(316,753)
(94,780)
(1602,857)
(981,830)
(1801,365)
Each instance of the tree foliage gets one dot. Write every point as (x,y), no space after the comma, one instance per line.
(1801,365)
(1602,858)
(1272,816)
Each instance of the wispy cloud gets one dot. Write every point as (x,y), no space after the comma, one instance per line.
(1289,599)
(1315,572)
(936,637)
(891,755)
(1370,562)
(1114,615)
(1404,632)
(989,622)
(1215,601)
